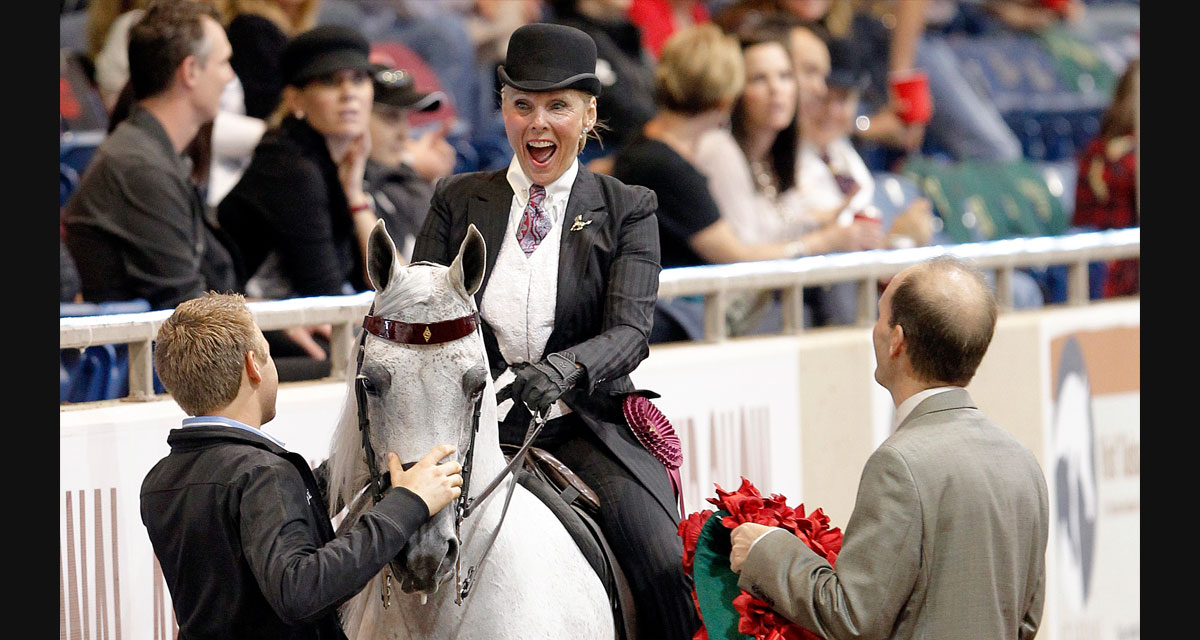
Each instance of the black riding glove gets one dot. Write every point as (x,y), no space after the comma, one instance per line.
(539,385)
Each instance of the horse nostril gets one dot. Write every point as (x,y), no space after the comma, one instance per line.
(452,551)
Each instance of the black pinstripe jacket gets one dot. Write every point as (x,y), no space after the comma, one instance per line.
(607,286)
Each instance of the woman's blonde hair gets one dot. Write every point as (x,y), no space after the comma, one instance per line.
(201,349)
(701,68)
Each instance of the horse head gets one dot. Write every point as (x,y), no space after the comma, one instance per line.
(420,390)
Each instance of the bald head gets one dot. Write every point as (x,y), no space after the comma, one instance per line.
(948,313)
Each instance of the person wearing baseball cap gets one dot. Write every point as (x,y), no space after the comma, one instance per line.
(401,169)
(580,251)
(299,216)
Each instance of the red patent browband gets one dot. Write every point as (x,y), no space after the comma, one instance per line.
(419,332)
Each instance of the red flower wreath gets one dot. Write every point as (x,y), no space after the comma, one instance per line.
(748,505)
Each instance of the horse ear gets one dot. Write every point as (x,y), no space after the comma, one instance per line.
(466,271)
(381,256)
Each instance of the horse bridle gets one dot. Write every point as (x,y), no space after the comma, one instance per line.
(435,333)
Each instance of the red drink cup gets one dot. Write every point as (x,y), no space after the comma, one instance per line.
(911,92)
(1056,5)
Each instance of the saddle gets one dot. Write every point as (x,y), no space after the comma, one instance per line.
(577,506)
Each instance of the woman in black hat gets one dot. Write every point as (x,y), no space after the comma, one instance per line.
(298,215)
(567,302)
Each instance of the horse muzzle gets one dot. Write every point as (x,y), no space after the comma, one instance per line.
(428,559)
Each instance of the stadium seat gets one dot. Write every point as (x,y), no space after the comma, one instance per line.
(75,149)
(980,201)
(86,375)
(1051,89)
(98,372)
(68,181)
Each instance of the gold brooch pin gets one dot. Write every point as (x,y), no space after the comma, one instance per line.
(428,334)
(580,223)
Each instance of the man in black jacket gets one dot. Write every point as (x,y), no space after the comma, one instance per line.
(238,523)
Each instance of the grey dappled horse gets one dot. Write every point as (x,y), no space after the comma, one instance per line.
(535,583)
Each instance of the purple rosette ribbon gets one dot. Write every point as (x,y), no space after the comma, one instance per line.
(656,434)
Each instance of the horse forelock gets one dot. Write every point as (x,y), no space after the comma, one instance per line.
(424,294)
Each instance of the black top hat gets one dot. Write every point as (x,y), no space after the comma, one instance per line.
(845,66)
(397,87)
(547,57)
(321,51)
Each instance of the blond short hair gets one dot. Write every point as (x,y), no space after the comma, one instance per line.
(200,351)
(700,68)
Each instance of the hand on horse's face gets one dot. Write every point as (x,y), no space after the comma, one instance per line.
(436,484)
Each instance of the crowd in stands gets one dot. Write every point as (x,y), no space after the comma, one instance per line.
(232,161)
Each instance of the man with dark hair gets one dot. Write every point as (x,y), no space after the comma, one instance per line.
(948,534)
(238,522)
(136,226)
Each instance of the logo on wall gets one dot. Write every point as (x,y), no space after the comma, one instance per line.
(1075,501)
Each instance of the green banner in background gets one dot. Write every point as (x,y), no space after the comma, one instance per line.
(980,201)
(1077,63)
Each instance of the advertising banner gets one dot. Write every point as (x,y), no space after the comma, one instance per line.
(1092,461)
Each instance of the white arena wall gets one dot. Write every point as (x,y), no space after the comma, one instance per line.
(796,415)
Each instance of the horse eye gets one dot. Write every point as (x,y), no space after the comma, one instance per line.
(376,379)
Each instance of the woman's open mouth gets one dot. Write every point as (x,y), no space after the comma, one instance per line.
(540,152)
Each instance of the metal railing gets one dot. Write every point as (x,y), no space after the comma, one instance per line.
(716,283)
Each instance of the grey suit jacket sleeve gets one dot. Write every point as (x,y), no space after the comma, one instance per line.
(1031,619)
(877,567)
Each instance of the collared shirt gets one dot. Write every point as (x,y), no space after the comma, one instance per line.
(915,399)
(557,192)
(522,294)
(902,412)
(221,421)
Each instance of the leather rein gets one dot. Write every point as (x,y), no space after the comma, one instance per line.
(416,333)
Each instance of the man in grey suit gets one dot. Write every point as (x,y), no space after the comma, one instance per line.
(948,534)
